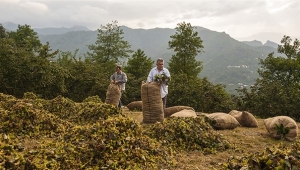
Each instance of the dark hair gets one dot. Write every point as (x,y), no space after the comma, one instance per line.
(119,67)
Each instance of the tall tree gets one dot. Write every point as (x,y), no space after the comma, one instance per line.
(110,46)
(277,91)
(139,65)
(186,44)
(137,70)
(84,81)
(24,65)
(26,38)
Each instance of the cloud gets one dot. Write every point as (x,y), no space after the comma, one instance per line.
(235,17)
(34,7)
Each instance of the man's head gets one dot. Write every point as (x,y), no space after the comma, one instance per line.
(160,64)
(118,69)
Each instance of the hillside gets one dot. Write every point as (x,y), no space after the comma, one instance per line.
(225,60)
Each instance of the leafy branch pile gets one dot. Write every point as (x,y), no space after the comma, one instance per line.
(276,157)
(188,134)
(35,138)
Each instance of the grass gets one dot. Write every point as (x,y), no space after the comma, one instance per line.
(245,141)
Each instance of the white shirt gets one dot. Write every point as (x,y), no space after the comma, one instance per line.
(163,86)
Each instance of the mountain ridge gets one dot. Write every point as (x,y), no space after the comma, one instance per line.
(225,60)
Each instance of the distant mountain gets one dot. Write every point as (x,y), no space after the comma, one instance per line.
(225,60)
(46,31)
(268,36)
(10,26)
(253,43)
(52,31)
(264,36)
(258,43)
(271,44)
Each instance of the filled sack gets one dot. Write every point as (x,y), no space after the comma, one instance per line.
(152,105)
(113,94)
(185,113)
(135,105)
(221,121)
(245,118)
(282,127)
(171,110)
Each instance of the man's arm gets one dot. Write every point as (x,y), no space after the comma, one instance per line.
(150,76)
(112,78)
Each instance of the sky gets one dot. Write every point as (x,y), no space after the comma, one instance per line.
(243,20)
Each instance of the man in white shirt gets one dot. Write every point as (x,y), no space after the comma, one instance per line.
(120,78)
(159,70)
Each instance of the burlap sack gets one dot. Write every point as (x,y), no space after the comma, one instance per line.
(135,105)
(245,118)
(287,122)
(185,113)
(152,103)
(113,94)
(223,121)
(171,110)
(236,114)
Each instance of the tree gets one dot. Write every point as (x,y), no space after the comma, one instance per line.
(110,46)
(199,94)
(277,91)
(186,44)
(26,38)
(137,70)
(24,65)
(139,65)
(186,88)
(83,81)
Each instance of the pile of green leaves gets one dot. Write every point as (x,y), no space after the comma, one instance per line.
(188,134)
(275,157)
(100,138)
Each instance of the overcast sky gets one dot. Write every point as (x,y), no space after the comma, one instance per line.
(241,19)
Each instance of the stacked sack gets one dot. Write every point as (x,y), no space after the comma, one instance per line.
(152,104)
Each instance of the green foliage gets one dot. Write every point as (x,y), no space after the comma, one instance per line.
(24,118)
(33,138)
(139,65)
(110,45)
(281,130)
(188,134)
(133,89)
(86,78)
(275,157)
(186,44)
(198,93)
(95,99)
(26,39)
(62,107)
(186,88)
(91,112)
(137,70)
(24,65)
(277,91)
(30,95)
(162,78)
